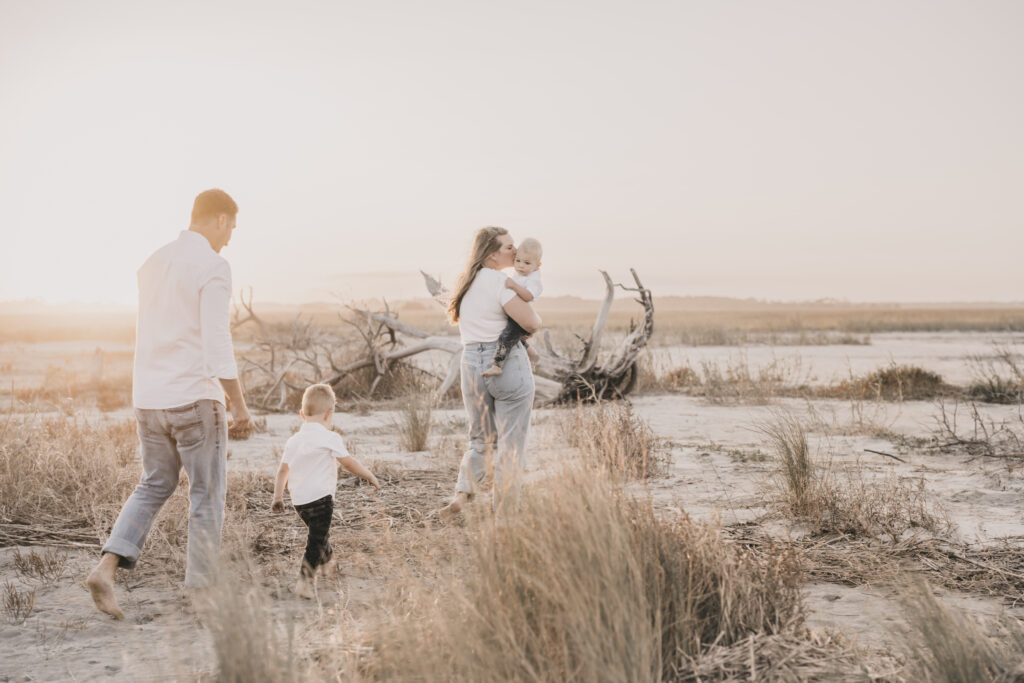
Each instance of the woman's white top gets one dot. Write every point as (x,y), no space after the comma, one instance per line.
(481,313)
(312,466)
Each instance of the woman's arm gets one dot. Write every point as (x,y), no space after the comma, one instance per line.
(523,313)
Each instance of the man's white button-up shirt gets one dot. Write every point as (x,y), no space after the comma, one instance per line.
(183,338)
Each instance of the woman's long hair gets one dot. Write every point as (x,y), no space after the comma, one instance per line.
(485,243)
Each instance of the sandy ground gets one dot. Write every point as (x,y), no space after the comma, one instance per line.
(719,466)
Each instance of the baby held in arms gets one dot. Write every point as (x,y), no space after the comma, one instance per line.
(526,283)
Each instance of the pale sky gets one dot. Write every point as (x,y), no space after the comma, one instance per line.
(867,150)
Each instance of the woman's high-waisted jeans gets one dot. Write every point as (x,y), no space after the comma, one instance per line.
(499,410)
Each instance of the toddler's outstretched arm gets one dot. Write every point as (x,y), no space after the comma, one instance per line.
(282,479)
(523,292)
(356,468)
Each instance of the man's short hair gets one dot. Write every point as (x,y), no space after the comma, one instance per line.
(532,247)
(213,203)
(317,400)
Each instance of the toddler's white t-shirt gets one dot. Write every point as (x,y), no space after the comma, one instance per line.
(530,283)
(311,455)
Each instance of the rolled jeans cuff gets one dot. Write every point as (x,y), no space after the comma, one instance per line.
(128,553)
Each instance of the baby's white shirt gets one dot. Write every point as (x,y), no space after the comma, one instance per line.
(530,283)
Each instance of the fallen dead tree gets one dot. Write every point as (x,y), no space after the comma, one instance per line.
(281,360)
(558,378)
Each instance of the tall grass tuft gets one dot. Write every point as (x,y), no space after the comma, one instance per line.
(585,584)
(798,472)
(946,646)
(809,488)
(414,421)
(612,436)
(249,641)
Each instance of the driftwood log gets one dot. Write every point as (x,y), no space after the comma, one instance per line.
(558,378)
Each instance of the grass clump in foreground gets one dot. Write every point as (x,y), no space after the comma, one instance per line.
(809,488)
(946,646)
(586,584)
(612,436)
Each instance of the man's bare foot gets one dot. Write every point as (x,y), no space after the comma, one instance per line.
(454,507)
(101,586)
(306,588)
(494,371)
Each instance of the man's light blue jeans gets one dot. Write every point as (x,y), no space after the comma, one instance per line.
(499,411)
(194,436)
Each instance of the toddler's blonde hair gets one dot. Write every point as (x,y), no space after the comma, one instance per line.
(317,400)
(531,246)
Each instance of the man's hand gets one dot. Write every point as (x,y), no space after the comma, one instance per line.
(277,506)
(240,428)
(241,422)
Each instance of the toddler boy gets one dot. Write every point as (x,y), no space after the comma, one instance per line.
(309,469)
(527,284)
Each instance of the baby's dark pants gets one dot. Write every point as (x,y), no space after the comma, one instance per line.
(317,517)
(510,336)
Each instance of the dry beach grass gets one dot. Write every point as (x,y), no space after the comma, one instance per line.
(609,573)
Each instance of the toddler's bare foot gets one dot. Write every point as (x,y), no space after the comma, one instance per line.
(305,588)
(494,371)
(102,590)
(454,507)
(327,569)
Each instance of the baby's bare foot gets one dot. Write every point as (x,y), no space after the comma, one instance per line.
(102,590)
(493,372)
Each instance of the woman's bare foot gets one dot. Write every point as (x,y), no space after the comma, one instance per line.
(306,588)
(494,371)
(454,507)
(101,586)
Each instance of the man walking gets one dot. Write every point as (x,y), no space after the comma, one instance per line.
(184,365)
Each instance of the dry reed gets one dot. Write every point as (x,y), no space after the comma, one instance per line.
(45,567)
(946,646)
(18,605)
(612,436)
(810,488)
(414,421)
(586,584)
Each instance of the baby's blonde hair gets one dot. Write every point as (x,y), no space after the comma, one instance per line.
(317,400)
(531,246)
